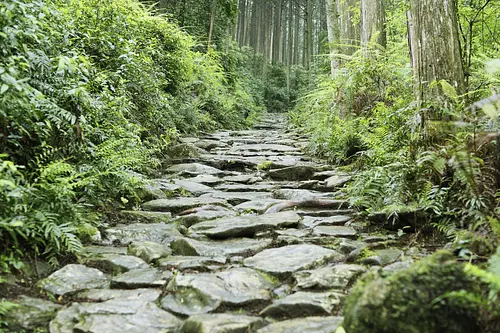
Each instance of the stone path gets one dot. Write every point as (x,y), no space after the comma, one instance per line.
(259,245)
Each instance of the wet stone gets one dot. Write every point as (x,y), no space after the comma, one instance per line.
(114,316)
(92,251)
(149,251)
(312,221)
(208,180)
(337,181)
(233,247)
(257,206)
(245,226)
(335,231)
(304,304)
(141,278)
(203,293)
(145,217)
(221,323)
(102,295)
(73,278)
(116,264)
(383,257)
(236,198)
(239,179)
(291,258)
(346,246)
(194,169)
(205,213)
(30,314)
(181,204)
(157,233)
(337,277)
(191,262)
(304,325)
(244,188)
(298,172)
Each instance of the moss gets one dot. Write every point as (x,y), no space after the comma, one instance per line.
(266,165)
(414,300)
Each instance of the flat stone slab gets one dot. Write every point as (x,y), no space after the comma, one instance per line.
(245,226)
(30,314)
(338,277)
(305,325)
(73,278)
(314,221)
(228,248)
(296,172)
(203,293)
(102,295)
(205,213)
(133,216)
(92,251)
(116,263)
(245,188)
(335,231)
(194,169)
(181,204)
(208,180)
(298,194)
(141,278)
(264,147)
(114,316)
(221,323)
(192,187)
(149,251)
(304,304)
(383,257)
(258,206)
(239,179)
(236,198)
(337,181)
(191,262)
(157,233)
(286,260)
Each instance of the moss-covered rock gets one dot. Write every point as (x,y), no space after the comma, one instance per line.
(415,300)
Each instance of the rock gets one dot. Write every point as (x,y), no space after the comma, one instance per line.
(290,258)
(347,246)
(114,316)
(244,188)
(239,179)
(233,247)
(406,301)
(245,226)
(221,323)
(304,304)
(133,216)
(265,147)
(183,150)
(194,169)
(398,266)
(208,180)
(193,187)
(73,278)
(30,314)
(205,213)
(209,144)
(322,175)
(194,262)
(257,206)
(116,263)
(157,233)
(149,251)
(337,181)
(93,251)
(102,295)
(141,278)
(298,233)
(335,231)
(382,257)
(236,198)
(203,293)
(314,221)
(297,172)
(181,204)
(305,325)
(338,277)
(298,194)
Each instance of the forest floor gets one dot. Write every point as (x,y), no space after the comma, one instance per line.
(261,243)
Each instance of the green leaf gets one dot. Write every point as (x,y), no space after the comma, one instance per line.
(340,329)
(449,90)
(490,110)
(4,88)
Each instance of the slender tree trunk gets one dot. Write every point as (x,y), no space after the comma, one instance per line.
(333,32)
(213,10)
(349,29)
(296,34)
(309,34)
(435,49)
(373,22)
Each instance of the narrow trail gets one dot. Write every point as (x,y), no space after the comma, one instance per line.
(260,245)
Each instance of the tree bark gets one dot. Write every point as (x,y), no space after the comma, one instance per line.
(373,22)
(333,32)
(435,49)
(349,28)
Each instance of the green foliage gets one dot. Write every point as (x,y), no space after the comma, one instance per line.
(92,93)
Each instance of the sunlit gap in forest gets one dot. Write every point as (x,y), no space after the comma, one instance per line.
(279,166)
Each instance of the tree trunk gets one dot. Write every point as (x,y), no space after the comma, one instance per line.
(309,34)
(436,50)
(349,29)
(373,22)
(296,34)
(333,32)
(213,10)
